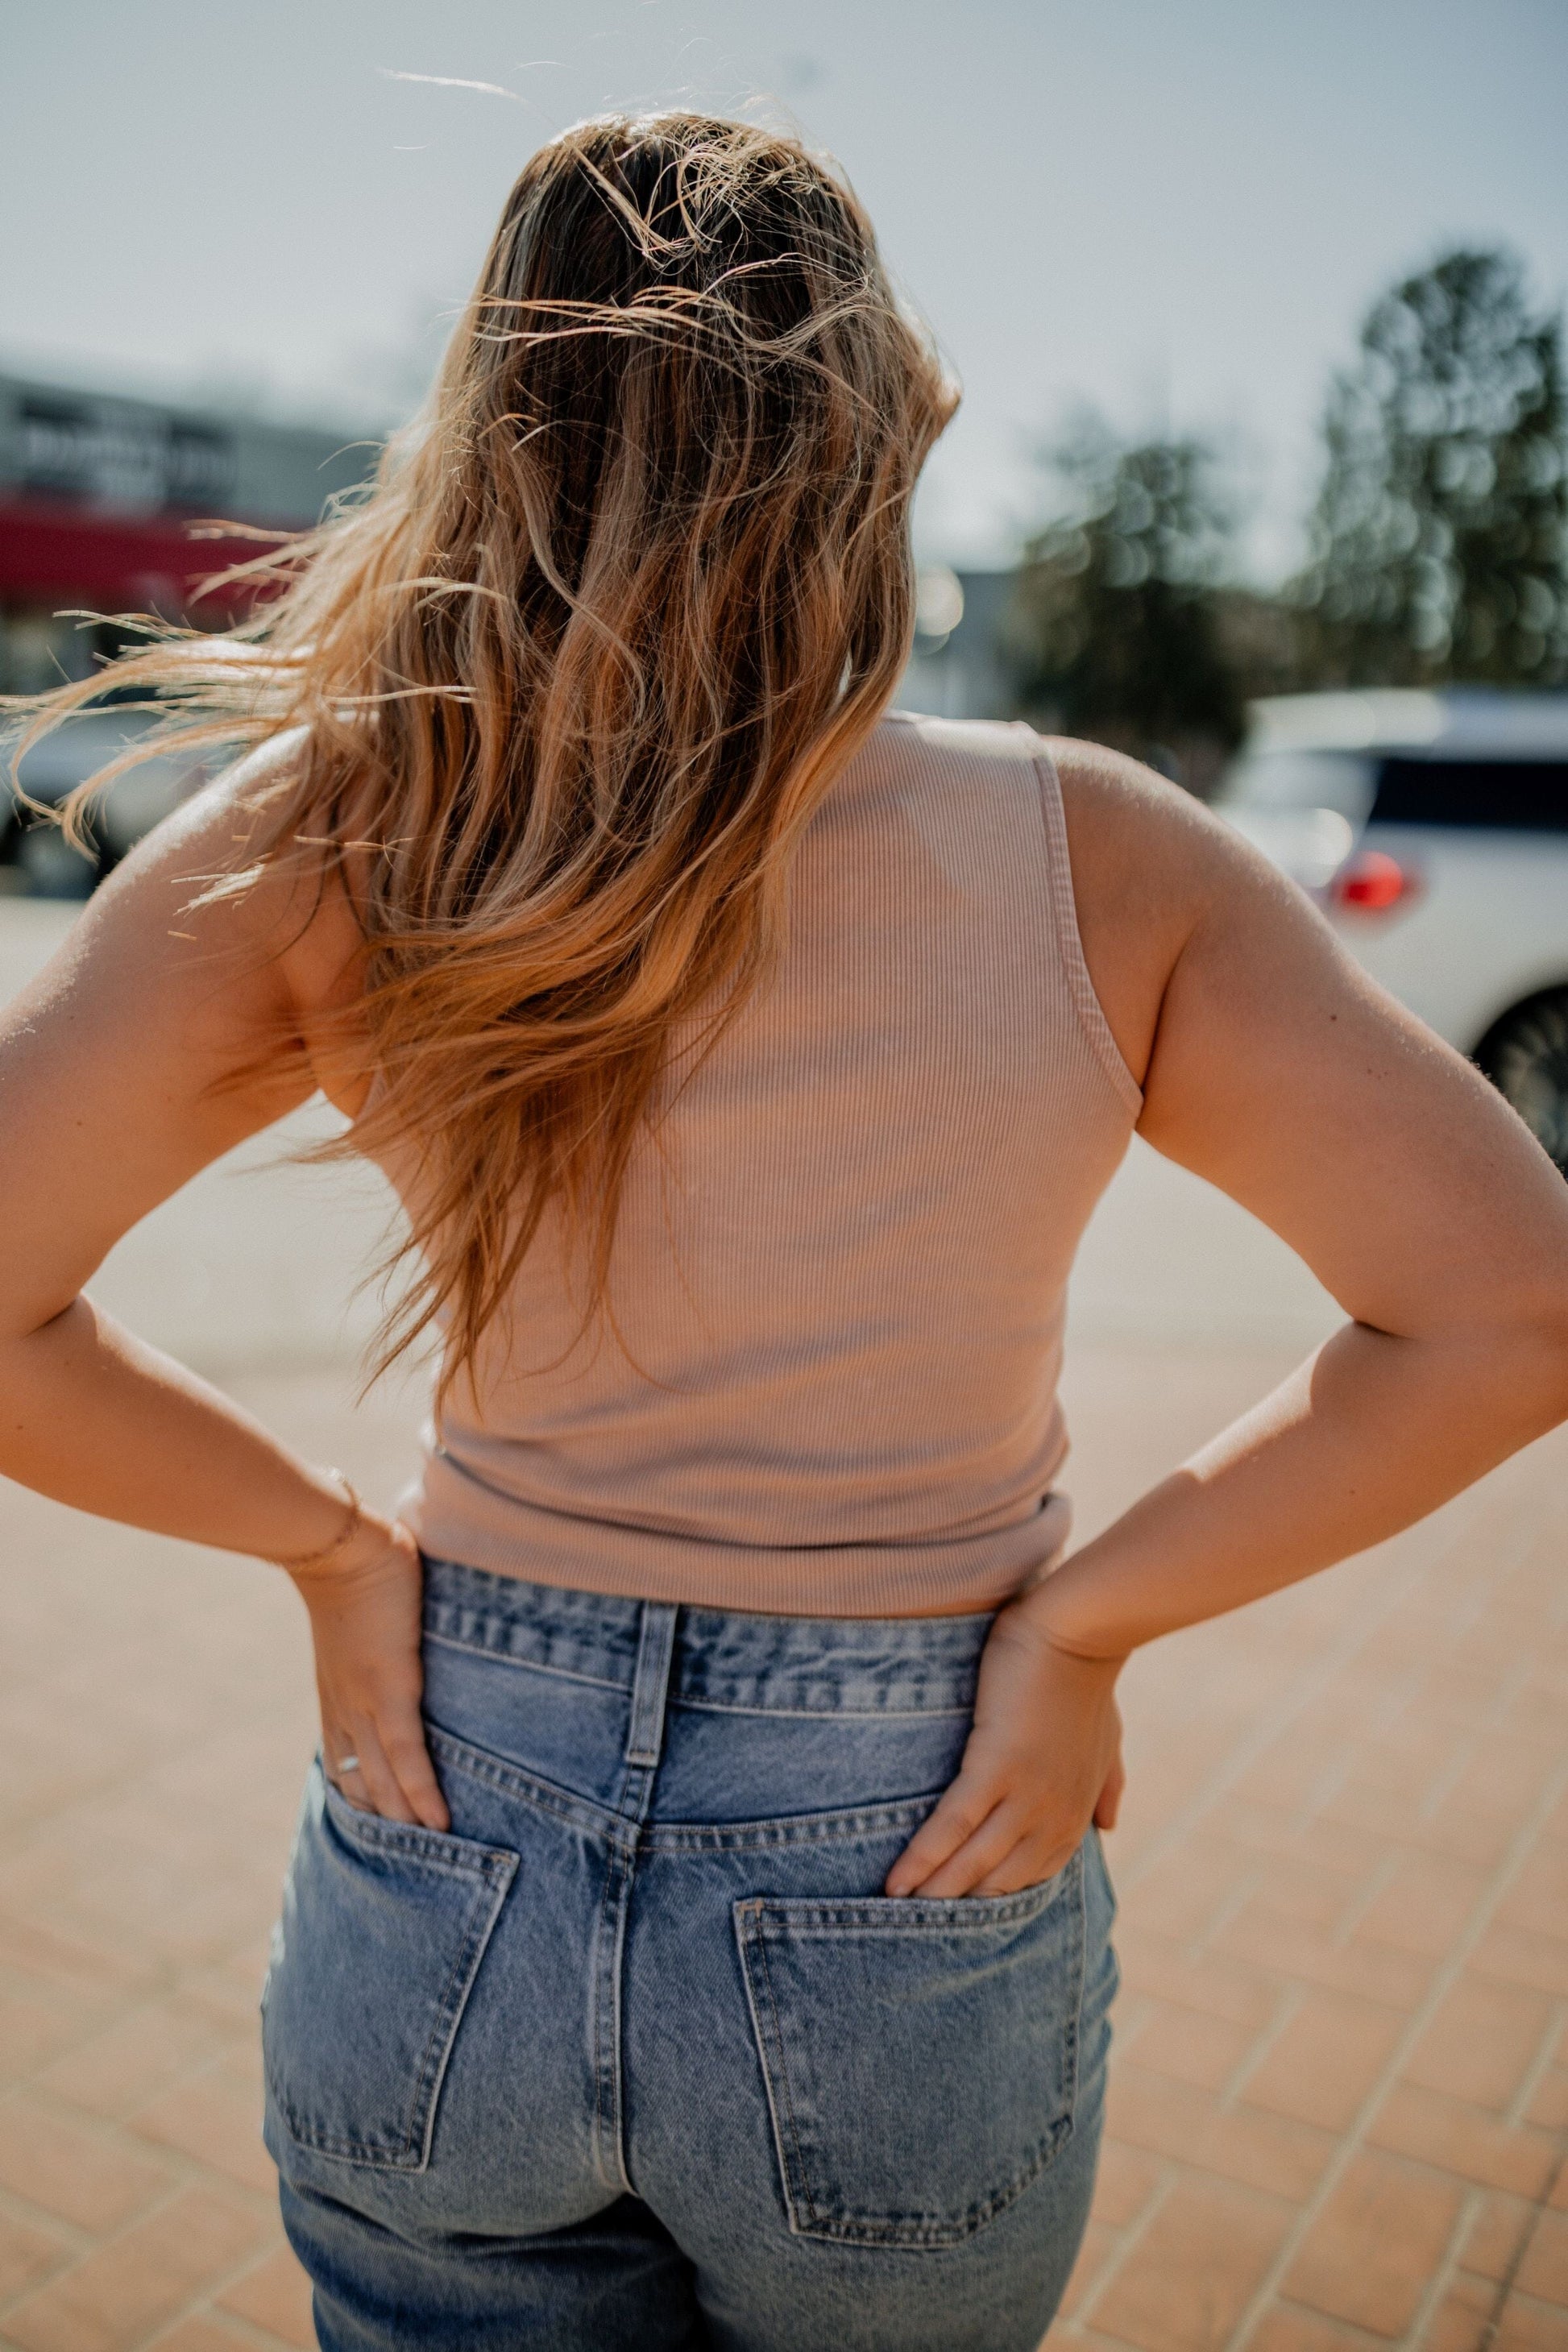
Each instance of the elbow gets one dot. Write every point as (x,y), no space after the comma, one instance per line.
(23,1330)
(1507,1352)
(1537,1345)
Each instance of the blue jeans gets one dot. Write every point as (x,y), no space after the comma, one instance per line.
(639,2057)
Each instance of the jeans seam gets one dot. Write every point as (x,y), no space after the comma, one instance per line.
(444,2026)
(758,1942)
(819,1714)
(1075,2020)
(607,2063)
(639,1774)
(741,1837)
(498,1658)
(513,1780)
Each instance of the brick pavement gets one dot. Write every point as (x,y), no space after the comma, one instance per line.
(1339,2112)
(1340,2104)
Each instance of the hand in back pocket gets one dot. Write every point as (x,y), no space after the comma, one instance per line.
(1042,1761)
(384,1925)
(921,2057)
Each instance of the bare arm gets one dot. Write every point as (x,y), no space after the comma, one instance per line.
(1272,1067)
(1279,1071)
(157,1039)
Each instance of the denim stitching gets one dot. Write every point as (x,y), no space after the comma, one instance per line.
(821,1714)
(426,1845)
(966,1915)
(525,1665)
(374,2156)
(755,1938)
(912,1703)
(675,1837)
(494,1772)
(454,1999)
(604,2127)
(913,2230)
(1070,2032)
(497,1636)
(754,1669)
(496,1865)
(805,1828)
(790,1691)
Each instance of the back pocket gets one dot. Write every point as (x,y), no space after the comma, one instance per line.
(383,1928)
(921,2057)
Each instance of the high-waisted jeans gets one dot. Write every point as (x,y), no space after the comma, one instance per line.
(639,2057)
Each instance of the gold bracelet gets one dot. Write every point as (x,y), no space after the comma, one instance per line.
(311,1560)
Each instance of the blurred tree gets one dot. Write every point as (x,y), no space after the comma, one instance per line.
(1439,542)
(1115,630)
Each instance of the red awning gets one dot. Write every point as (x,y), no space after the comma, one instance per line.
(69,557)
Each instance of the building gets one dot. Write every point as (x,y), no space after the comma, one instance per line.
(112,505)
(98,497)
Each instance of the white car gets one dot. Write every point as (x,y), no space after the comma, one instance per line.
(1433,830)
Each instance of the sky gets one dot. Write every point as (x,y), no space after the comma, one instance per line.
(1177,210)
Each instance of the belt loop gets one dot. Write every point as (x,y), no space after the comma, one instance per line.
(655,1648)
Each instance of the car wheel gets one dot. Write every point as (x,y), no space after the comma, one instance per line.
(1525,1054)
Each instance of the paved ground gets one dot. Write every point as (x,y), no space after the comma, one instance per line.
(1341,2099)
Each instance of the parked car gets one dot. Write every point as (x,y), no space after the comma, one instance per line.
(1433,830)
(37,853)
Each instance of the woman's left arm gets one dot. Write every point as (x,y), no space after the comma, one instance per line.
(158,1038)
(1275,1068)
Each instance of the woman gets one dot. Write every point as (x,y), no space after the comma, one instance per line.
(697,1931)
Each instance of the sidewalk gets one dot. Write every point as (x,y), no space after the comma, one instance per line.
(1340,2093)
(1339,2111)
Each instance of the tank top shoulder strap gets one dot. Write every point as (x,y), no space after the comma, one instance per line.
(966,758)
(1069,939)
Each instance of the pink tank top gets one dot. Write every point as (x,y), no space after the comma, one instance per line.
(840,1268)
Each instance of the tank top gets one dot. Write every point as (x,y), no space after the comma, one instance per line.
(838,1276)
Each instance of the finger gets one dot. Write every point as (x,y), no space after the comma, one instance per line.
(1109,1801)
(379,1778)
(409,1757)
(1028,1865)
(338,1757)
(986,1852)
(342,1766)
(954,1820)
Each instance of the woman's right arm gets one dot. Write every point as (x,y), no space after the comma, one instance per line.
(1275,1068)
(160,1036)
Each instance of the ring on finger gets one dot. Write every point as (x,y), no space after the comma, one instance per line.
(347,1764)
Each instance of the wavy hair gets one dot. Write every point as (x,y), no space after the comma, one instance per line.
(571,678)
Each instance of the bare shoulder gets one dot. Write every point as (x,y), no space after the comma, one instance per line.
(1149,864)
(1273,1066)
(244,970)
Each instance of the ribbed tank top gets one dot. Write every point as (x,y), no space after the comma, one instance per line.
(839,1270)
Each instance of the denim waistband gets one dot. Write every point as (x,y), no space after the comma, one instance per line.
(718,1657)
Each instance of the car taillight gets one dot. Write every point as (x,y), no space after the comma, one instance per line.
(1371,882)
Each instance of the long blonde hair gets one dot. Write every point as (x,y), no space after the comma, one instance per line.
(573,678)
